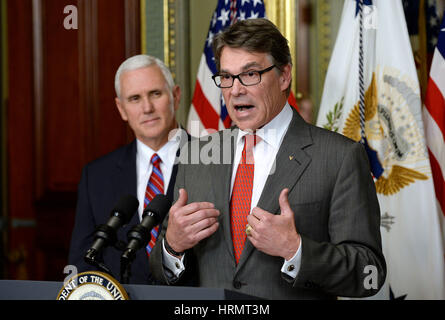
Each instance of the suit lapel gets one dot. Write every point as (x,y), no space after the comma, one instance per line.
(185,137)
(125,182)
(221,192)
(124,179)
(290,163)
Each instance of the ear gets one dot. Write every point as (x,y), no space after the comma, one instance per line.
(121,109)
(176,96)
(286,77)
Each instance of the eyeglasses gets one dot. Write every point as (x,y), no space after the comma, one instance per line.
(248,78)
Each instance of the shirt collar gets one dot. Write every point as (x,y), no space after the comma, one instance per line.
(273,131)
(167,153)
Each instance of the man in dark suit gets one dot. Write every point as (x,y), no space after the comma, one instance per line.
(288,212)
(147,99)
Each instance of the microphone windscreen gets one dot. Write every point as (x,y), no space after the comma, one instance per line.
(159,205)
(126,206)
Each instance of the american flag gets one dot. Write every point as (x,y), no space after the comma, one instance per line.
(208,111)
(423,27)
(432,21)
(434,117)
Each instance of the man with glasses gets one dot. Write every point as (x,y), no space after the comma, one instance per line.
(294,214)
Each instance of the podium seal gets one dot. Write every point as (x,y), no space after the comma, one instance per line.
(92,285)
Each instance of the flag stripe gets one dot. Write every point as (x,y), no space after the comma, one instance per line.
(435,139)
(204,109)
(435,103)
(208,87)
(438,70)
(434,117)
(439,183)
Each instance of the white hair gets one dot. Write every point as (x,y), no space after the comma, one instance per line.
(138,62)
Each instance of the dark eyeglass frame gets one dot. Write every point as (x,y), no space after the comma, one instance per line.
(237,76)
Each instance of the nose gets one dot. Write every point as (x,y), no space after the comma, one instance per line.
(237,88)
(147,105)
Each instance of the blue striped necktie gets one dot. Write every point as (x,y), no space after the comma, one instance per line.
(155,186)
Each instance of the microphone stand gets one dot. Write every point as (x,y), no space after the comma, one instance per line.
(126,260)
(125,271)
(91,259)
(138,232)
(139,235)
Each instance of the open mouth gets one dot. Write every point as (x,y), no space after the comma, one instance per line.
(243,107)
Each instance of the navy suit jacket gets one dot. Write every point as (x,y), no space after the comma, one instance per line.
(103,182)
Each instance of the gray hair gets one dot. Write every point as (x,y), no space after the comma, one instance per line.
(138,62)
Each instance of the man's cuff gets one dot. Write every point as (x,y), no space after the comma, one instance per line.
(292,266)
(172,263)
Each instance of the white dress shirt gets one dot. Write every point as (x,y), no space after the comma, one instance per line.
(265,152)
(144,167)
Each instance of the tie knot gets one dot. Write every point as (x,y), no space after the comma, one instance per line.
(250,141)
(155,160)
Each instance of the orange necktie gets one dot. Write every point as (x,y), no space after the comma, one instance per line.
(242,195)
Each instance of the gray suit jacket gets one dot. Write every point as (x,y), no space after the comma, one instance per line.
(336,211)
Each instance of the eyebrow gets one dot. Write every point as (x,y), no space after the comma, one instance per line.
(149,92)
(245,67)
(133,96)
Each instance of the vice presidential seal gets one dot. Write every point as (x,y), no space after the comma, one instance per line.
(92,285)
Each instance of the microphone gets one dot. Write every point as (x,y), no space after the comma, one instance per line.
(139,235)
(106,233)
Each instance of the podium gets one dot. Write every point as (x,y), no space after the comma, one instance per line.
(48,290)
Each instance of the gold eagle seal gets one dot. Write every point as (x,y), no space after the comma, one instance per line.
(384,121)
